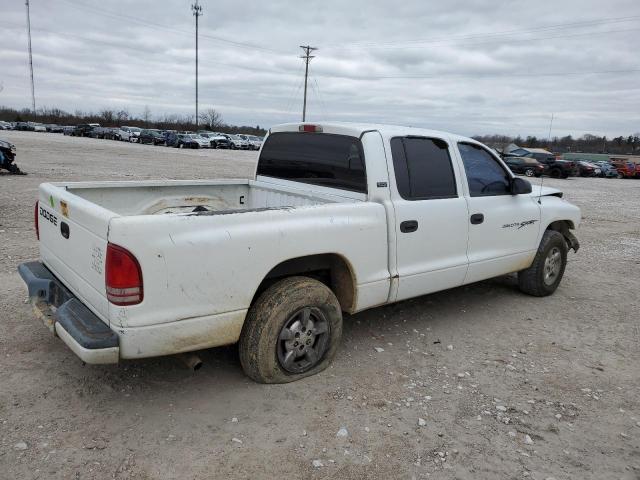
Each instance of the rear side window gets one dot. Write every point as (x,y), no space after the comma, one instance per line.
(321,159)
(423,168)
(485,175)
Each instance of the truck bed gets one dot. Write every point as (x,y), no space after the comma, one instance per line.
(200,197)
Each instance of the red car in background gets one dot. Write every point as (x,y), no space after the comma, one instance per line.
(626,169)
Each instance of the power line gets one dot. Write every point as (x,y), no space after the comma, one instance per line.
(348,77)
(33,91)
(453,38)
(157,26)
(490,75)
(307,58)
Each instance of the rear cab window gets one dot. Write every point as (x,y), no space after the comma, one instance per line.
(322,159)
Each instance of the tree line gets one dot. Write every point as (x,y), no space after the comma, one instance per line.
(209,119)
(588,143)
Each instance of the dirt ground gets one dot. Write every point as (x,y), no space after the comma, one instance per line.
(507,385)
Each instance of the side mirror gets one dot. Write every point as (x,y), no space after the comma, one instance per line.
(520,186)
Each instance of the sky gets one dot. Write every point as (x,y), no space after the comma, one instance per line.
(465,66)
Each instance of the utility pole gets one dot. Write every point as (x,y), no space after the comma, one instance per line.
(307,58)
(197,11)
(33,93)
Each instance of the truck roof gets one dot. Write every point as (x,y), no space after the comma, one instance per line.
(357,129)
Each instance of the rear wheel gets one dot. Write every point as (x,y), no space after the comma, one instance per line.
(529,172)
(292,331)
(545,273)
(555,173)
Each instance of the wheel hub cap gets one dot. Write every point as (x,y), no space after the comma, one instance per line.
(552,266)
(303,340)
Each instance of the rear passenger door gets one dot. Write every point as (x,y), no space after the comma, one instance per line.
(431,216)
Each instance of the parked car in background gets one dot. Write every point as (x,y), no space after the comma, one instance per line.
(607,170)
(554,167)
(84,130)
(525,166)
(5,125)
(216,140)
(111,134)
(626,169)
(129,134)
(53,128)
(255,142)
(68,130)
(238,143)
(23,126)
(38,127)
(557,167)
(98,132)
(586,169)
(151,137)
(187,140)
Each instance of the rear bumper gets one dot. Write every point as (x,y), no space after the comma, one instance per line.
(68,318)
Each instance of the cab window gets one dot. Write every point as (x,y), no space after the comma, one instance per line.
(423,168)
(486,177)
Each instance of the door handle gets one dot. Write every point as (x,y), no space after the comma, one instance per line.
(409,226)
(477,218)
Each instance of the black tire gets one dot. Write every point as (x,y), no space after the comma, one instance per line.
(529,172)
(262,346)
(555,173)
(565,175)
(536,280)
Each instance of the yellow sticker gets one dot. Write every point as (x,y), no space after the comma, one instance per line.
(64,208)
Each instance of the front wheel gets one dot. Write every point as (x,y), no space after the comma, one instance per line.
(545,273)
(292,331)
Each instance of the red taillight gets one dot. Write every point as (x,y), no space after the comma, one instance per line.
(123,277)
(35,220)
(310,128)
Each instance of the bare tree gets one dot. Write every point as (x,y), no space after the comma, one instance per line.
(122,116)
(212,118)
(146,115)
(108,116)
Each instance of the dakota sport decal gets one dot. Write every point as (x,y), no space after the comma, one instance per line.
(519,224)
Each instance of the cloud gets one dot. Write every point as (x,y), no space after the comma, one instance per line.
(469,66)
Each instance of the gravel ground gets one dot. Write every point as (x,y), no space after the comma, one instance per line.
(476,382)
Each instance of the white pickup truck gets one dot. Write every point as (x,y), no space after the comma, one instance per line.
(339,218)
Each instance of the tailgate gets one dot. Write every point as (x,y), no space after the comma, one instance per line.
(73,242)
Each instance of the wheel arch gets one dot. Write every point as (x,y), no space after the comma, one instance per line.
(564,227)
(332,269)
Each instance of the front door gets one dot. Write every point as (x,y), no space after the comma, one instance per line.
(503,228)
(431,217)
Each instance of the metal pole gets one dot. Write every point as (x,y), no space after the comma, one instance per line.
(33,92)
(307,58)
(197,11)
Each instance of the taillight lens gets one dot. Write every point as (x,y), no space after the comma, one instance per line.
(310,128)
(35,220)
(123,277)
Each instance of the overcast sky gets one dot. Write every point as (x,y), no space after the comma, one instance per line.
(467,66)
